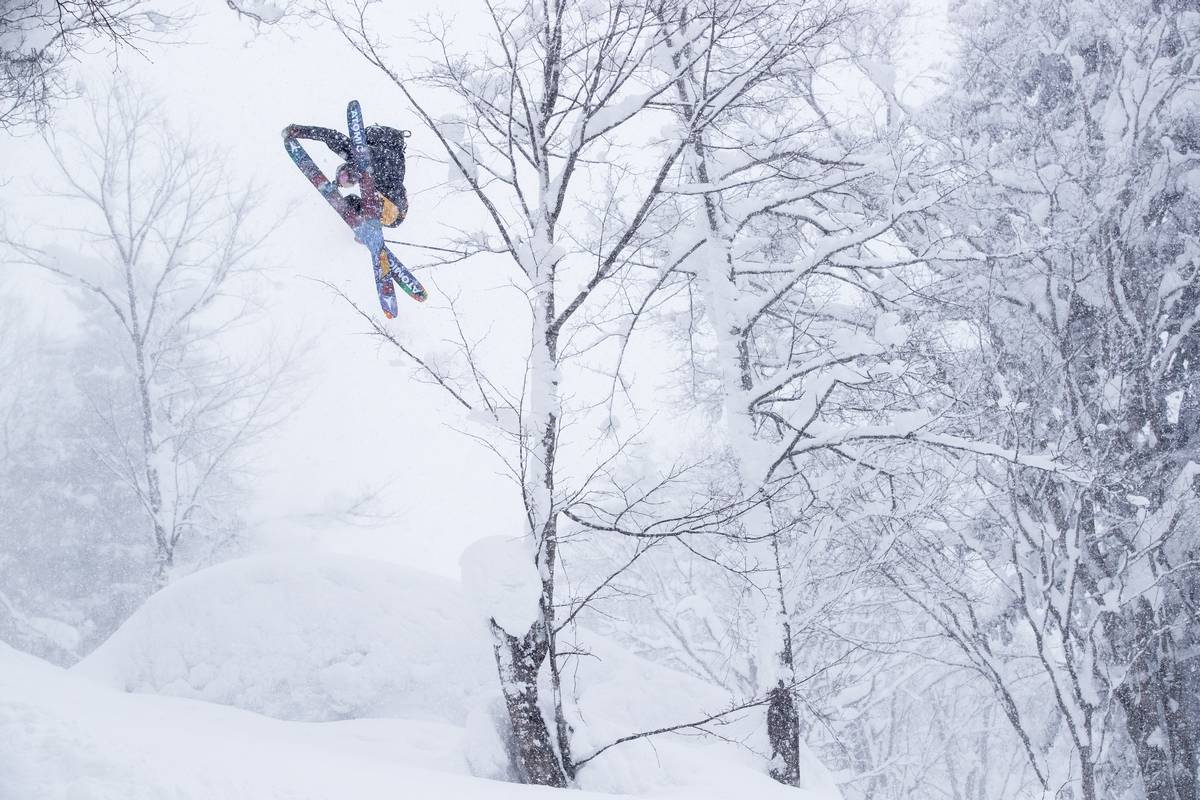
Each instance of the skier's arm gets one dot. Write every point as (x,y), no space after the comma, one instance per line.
(336,141)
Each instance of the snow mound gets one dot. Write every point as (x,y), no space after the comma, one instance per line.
(68,738)
(305,638)
(302,640)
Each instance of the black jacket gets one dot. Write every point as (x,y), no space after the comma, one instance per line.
(387,155)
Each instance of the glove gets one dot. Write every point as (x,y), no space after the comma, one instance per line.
(289,132)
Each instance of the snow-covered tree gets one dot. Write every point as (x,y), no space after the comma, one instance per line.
(808,306)
(827,379)
(71,563)
(558,139)
(1077,598)
(38,36)
(157,275)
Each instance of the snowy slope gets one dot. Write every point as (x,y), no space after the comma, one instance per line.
(67,737)
(325,637)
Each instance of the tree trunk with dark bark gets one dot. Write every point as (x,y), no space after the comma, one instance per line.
(783,731)
(1157,713)
(519,661)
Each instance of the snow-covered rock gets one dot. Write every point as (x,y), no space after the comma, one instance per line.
(305,638)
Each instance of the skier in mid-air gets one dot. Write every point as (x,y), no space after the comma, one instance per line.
(387,159)
(374,161)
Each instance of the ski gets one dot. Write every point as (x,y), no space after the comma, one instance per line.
(317,178)
(387,267)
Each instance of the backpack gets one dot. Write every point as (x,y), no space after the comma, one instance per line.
(387,158)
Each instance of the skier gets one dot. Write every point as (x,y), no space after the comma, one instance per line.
(375,157)
(387,160)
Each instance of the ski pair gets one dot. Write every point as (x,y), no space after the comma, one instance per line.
(365,224)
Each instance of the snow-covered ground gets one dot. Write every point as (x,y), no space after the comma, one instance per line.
(67,737)
(334,677)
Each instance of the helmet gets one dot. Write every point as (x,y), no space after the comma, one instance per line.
(346,174)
